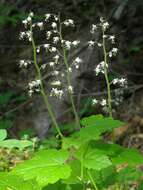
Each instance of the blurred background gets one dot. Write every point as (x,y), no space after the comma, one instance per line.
(21,114)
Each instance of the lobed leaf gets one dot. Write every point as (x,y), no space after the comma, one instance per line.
(47,166)
(13,143)
(12,182)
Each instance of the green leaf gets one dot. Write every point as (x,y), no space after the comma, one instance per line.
(129,174)
(3,134)
(13,143)
(11,182)
(130,156)
(102,124)
(95,126)
(105,177)
(75,173)
(94,159)
(89,121)
(47,166)
(111,149)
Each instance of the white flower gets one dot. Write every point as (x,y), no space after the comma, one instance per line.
(93,29)
(55,73)
(24,63)
(31,14)
(77,66)
(99,44)
(67,44)
(75,43)
(25,22)
(34,86)
(69,22)
(56,18)
(104,36)
(103,102)
(122,82)
(100,68)
(48,34)
(70,89)
(46,46)
(112,38)
(56,83)
(105,25)
(29,19)
(43,66)
(114,50)
(56,57)
(47,16)
(54,25)
(91,43)
(69,69)
(22,35)
(30,92)
(56,39)
(40,25)
(52,63)
(38,49)
(102,19)
(26,34)
(53,49)
(94,101)
(78,60)
(56,92)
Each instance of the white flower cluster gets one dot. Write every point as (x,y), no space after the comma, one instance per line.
(68,22)
(56,92)
(102,102)
(28,20)
(122,81)
(26,35)
(68,44)
(93,29)
(104,24)
(24,63)
(77,62)
(34,86)
(113,52)
(100,68)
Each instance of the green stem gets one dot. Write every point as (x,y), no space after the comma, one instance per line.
(92,180)
(69,79)
(109,99)
(45,97)
(106,75)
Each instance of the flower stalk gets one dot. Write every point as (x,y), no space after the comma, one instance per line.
(109,99)
(68,76)
(42,90)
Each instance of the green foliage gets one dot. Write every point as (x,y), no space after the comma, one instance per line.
(47,166)
(83,161)
(11,182)
(13,143)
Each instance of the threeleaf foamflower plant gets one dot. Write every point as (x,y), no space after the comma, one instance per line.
(109,50)
(58,48)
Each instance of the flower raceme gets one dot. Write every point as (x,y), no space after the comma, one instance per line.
(59,48)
